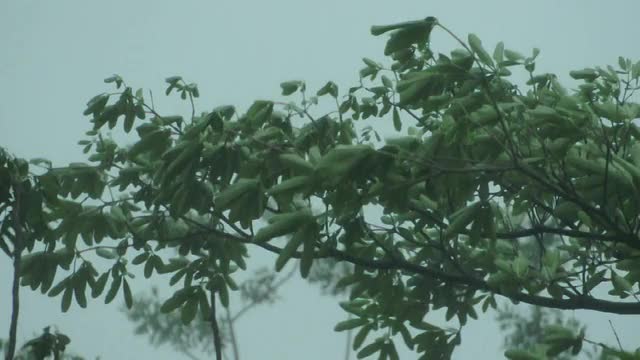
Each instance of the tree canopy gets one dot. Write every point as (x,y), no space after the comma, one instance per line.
(443,216)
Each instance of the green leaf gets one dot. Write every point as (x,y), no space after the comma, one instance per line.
(409,33)
(521,266)
(370,349)
(66,299)
(153,140)
(140,258)
(106,253)
(397,123)
(620,283)
(350,324)
(370,63)
(79,288)
(282,224)
(205,308)
(289,250)
(391,350)
(306,261)
(96,104)
(58,288)
(296,162)
(232,193)
(289,87)
(358,340)
(377,30)
(341,160)
(175,301)
(113,290)
(513,56)
(463,218)
(519,354)
(498,53)
(329,88)
(149,266)
(290,185)
(129,118)
(259,112)
(98,286)
(223,294)
(128,298)
(476,46)
(594,280)
(189,310)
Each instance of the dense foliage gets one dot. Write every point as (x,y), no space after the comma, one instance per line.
(436,218)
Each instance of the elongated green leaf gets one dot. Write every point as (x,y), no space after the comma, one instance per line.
(175,301)
(224,199)
(189,310)
(66,299)
(476,46)
(284,224)
(289,250)
(464,218)
(342,159)
(59,287)
(518,354)
(329,88)
(297,163)
(498,53)
(360,337)
(292,184)
(381,29)
(306,261)
(128,298)
(98,286)
(289,87)
(370,349)
(620,283)
(79,288)
(397,123)
(350,324)
(113,290)
(205,308)
(106,253)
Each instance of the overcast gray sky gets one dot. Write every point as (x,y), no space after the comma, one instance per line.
(56,53)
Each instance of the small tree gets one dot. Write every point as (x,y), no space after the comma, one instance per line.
(484,167)
(529,331)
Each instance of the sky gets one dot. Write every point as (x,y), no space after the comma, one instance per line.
(55,55)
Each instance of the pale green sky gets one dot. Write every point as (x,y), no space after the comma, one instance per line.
(56,53)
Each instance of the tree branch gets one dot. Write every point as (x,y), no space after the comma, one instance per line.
(576,303)
(17,258)
(217,344)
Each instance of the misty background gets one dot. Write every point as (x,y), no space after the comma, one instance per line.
(55,54)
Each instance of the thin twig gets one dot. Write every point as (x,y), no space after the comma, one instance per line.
(232,335)
(615,333)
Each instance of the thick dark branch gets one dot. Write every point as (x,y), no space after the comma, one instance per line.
(587,303)
(217,344)
(576,303)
